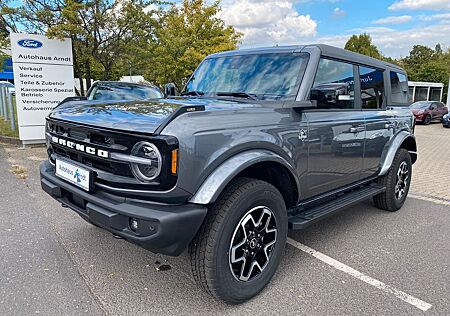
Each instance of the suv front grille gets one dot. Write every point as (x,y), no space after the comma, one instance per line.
(78,134)
(91,137)
(109,172)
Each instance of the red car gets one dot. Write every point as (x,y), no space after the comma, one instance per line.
(427,111)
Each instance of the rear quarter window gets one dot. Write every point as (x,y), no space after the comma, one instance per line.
(372,87)
(399,88)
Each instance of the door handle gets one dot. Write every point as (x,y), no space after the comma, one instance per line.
(356,129)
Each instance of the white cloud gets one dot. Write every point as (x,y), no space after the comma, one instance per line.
(151,7)
(395,43)
(268,22)
(338,12)
(333,40)
(420,5)
(435,17)
(401,19)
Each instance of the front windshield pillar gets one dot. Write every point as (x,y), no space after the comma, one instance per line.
(309,73)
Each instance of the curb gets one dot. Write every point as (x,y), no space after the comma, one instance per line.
(10,140)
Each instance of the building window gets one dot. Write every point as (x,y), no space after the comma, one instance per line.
(435,94)
(421,94)
(372,87)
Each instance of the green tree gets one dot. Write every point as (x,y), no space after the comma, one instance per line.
(363,44)
(104,33)
(114,38)
(433,71)
(7,24)
(418,58)
(185,36)
(427,64)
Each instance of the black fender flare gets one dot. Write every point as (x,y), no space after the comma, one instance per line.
(396,143)
(214,184)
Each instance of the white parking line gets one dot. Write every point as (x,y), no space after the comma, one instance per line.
(361,276)
(429,199)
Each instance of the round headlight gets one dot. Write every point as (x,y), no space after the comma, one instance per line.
(148,168)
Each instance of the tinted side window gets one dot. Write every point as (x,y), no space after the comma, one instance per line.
(334,85)
(372,87)
(399,87)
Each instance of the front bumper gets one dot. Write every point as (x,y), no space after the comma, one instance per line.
(162,228)
(446,122)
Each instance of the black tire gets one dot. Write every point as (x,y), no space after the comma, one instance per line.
(427,120)
(210,250)
(390,200)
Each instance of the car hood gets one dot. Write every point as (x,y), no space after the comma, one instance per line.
(148,116)
(416,111)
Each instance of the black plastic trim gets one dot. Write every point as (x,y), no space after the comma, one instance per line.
(174,226)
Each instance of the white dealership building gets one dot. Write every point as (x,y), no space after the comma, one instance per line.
(425,91)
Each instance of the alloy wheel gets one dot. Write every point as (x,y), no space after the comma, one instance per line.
(252,243)
(402,180)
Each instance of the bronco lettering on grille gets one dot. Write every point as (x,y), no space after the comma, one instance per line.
(80,147)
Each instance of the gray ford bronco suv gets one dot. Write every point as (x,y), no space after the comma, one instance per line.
(259,142)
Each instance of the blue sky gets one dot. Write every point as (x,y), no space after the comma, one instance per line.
(395,25)
(338,17)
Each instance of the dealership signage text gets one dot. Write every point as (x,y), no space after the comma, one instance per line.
(43,77)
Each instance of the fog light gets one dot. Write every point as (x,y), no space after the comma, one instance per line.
(134,224)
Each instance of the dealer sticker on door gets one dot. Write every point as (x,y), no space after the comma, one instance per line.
(73,174)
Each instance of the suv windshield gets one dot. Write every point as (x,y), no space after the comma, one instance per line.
(257,76)
(123,92)
(420,105)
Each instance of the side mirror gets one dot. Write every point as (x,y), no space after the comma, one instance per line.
(170,90)
(331,93)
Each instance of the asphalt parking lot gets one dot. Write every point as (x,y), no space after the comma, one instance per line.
(362,261)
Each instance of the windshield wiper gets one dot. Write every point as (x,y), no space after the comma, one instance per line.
(245,95)
(193,92)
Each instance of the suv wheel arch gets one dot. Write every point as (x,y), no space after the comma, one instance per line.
(404,140)
(258,164)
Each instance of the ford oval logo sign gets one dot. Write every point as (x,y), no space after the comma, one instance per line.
(29,43)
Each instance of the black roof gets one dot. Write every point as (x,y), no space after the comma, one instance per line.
(326,50)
